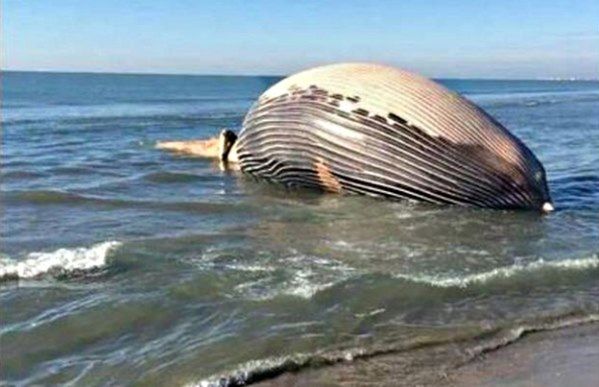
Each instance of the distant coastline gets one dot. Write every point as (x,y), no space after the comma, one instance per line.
(545,79)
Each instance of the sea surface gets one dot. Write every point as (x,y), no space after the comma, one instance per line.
(121,263)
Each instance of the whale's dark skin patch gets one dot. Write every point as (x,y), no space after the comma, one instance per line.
(361,112)
(396,118)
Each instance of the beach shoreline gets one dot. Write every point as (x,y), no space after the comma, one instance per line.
(566,356)
(554,357)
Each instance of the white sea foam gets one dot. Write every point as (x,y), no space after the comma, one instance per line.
(61,260)
(503,272)
(304,285)
(298,275)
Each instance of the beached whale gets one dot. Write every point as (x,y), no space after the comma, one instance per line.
(380,131)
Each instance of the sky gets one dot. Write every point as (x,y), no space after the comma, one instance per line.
(443,39)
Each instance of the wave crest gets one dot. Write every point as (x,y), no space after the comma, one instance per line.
(591,262)
(60,261)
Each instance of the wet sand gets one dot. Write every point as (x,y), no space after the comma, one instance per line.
(567,356)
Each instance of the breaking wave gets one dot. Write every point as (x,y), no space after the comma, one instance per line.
(58,262)
(505,272)
(305,276)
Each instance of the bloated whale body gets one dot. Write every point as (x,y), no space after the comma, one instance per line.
(381,131)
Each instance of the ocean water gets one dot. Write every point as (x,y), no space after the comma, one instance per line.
(121,263)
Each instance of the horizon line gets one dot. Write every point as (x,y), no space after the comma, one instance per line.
(551,79)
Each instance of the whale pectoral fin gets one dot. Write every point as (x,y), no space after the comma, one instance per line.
(222,147)
(209,148)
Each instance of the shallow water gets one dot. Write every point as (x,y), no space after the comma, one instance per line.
(122,263)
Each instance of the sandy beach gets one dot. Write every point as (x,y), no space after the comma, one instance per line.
(567,356)
(562,357)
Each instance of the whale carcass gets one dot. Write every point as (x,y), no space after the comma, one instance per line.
(377,130)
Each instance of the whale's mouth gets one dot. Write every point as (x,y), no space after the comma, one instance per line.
(547,207)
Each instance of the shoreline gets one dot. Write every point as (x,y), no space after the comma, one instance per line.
(553,357)
(566,356)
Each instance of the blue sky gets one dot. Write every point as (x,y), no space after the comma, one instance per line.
(494,39)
